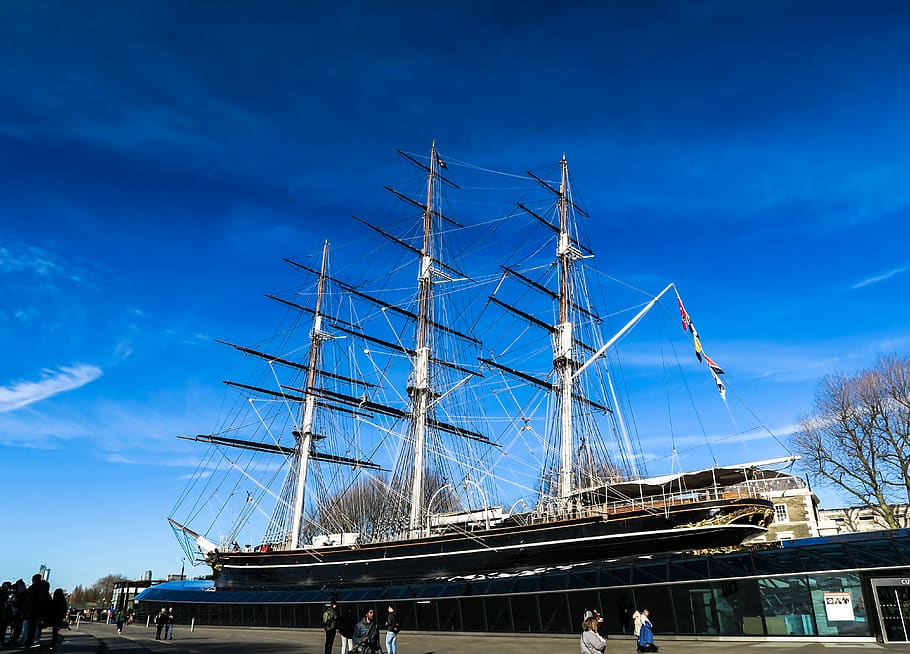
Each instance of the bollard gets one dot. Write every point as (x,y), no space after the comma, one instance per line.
(193,624)
(148,620)
(78,620)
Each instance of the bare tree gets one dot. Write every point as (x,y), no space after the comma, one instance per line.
(858,436)
(365,508)
(99,592)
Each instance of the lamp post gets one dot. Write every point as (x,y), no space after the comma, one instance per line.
(182,561)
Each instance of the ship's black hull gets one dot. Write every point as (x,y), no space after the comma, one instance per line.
(701,525)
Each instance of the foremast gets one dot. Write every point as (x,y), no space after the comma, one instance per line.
(305,433)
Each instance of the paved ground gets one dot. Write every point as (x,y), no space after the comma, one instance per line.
(136,639)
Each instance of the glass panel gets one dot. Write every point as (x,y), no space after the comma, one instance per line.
(874,554)
(901,544)
(581,601)
(481,587)
(696,610)
(449,615)
(502,586)
(472,615)
(449,590)
(738,607)
(425,591)
(231,615)
(586,579)
(425,615)
(826,557)
(657,600)
(618,608)
(525,614)
(616,576)
(554,613)
(732,565)
(839,606)
(769,562)
(300,615)
(787,606)
(527,584)
(499,615)
(892,607)
(554,582)
(685,570)
(651,573)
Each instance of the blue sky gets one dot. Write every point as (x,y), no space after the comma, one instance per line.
(158,160)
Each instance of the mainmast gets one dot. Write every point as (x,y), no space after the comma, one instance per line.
(420,388)
(305,434)
(562,338)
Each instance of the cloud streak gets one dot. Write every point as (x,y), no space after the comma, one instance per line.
(879,278)
(19,259)
(53,382)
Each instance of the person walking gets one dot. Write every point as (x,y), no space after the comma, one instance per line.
(7,610)
(169,624)
(57,618)
(17,599)
(119,618)
(330,624)
(160,623)
(646,634)
(591,642)
(35,608)
(346,624)
(636,624)
(393,626)
(366,634)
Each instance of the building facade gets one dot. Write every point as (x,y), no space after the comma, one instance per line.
(796,512)
(862,518)
(820,588)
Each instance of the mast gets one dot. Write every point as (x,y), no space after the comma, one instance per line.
(562,339)
(420,389)
(305,434)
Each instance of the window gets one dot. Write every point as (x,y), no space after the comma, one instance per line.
(780,513)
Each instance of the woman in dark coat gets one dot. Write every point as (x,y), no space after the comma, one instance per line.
(57,616)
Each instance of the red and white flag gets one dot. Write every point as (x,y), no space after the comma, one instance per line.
(686,321)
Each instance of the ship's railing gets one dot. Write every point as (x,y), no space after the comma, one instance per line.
(658,504)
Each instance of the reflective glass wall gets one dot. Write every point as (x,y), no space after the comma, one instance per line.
(814,589)
(781,606)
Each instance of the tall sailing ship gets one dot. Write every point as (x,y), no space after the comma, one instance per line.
(374,451)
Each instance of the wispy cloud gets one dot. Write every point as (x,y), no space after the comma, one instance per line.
(879,278)
(53,382)
(126,432)
(18,258)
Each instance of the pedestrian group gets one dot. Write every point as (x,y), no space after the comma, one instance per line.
(360,637)
(26,610)
(593,643)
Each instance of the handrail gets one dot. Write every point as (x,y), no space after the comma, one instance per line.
(655,503)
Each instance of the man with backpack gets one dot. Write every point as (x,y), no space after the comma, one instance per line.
(330,624)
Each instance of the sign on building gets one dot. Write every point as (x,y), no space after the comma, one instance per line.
(838,606)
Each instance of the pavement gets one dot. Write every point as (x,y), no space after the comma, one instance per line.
(96,638)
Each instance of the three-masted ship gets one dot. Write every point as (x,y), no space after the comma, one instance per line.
(370,453)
